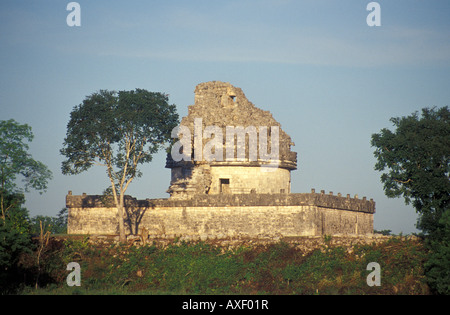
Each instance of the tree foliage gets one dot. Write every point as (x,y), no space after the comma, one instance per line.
(437,268)
(415,161)
(16,161)
(14,231)
(55,225)
(119,130)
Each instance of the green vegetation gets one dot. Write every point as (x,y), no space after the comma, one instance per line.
(16,163)
(119,130)
(415,161)
(205,268)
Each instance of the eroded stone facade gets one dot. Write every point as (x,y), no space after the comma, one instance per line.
(227,215)
(224,106)
(227,198)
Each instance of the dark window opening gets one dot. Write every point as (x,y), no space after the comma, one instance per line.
(224,185)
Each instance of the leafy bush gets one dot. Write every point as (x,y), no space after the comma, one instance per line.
(438,266)
(56,225)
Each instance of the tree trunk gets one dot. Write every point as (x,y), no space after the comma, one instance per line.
(120,209)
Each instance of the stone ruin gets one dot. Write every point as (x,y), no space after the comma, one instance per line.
(223,105)
(232,192)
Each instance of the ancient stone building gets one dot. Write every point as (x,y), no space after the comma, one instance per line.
(230,177)
(244,132)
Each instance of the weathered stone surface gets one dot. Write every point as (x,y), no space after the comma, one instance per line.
(222,105)
(227,199)
(249,215)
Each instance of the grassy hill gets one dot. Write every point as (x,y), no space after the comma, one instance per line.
(205,268)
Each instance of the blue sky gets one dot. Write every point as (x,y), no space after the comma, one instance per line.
(326,76)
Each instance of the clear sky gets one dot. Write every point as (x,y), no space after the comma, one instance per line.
(325,75)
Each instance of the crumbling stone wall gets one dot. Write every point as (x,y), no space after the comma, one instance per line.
(227,199)
(223,105)
(222,216)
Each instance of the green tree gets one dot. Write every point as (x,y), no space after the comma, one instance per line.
(415,161)
(118,130)
(437,268)
(15,160)
(55,225)
(417,156)
(14,231)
